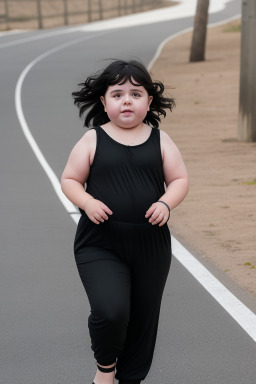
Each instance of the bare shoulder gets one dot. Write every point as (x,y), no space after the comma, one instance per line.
(81,158)
(166,142)
(170,152)
(87,145)
(173,165)
(89,137)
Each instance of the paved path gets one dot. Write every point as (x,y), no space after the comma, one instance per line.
(44,309)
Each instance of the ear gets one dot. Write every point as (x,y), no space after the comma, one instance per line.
(102,99)
(150,98)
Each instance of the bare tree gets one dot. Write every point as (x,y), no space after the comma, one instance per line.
(247,96)
(197,50)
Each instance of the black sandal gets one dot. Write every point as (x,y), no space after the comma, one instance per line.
(106,370)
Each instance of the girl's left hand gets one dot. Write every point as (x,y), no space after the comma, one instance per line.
(158,213)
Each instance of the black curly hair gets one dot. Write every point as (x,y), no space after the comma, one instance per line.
(118,72)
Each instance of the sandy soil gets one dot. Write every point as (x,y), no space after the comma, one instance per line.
(218,217)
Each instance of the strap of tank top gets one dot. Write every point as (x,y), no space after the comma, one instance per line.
(156,135)
(97,129)
(157,141)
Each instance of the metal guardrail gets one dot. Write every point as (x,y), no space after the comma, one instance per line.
(34,14)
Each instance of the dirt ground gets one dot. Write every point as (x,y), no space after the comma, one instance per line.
(218,217)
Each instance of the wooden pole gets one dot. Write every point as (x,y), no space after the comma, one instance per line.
(6,14)
(133,6)
(89,10)
(39,14)
(119,7)
(65,12)
(100,10)
(197,50)
(247,95)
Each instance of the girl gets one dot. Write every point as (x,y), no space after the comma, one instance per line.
(134,176)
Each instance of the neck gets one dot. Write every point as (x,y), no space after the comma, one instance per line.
(138,127)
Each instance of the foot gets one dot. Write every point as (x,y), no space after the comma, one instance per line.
(104,377)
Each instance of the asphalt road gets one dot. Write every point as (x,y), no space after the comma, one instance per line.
(44,309)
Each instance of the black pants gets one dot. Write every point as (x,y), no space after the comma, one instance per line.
(124,283)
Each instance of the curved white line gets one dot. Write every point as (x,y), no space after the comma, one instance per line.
(70,208)
(240,313)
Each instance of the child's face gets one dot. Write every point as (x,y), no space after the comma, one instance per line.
(126,105)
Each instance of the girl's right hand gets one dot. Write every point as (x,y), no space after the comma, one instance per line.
(96,210)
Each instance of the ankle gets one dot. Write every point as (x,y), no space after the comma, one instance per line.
(105,374)
(106,368)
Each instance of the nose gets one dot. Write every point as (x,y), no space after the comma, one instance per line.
(127,99)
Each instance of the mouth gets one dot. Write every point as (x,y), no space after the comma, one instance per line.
(127,110)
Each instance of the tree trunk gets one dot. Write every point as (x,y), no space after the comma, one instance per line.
(247,96)
(6,14)
(197,50)
(39,15)
(65,13)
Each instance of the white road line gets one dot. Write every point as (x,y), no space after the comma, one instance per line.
(70,208)
(240,313)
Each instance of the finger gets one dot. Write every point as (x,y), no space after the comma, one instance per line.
(103,214)
(106,209)
(98,217)
(163,221)
(150,211)
(158,219)
(154,215)
(95,221)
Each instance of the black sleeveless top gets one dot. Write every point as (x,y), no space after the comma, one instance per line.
(128,179)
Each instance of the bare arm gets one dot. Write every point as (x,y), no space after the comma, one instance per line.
(176,179)
(75,176)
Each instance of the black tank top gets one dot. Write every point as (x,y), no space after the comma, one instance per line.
(128,179)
